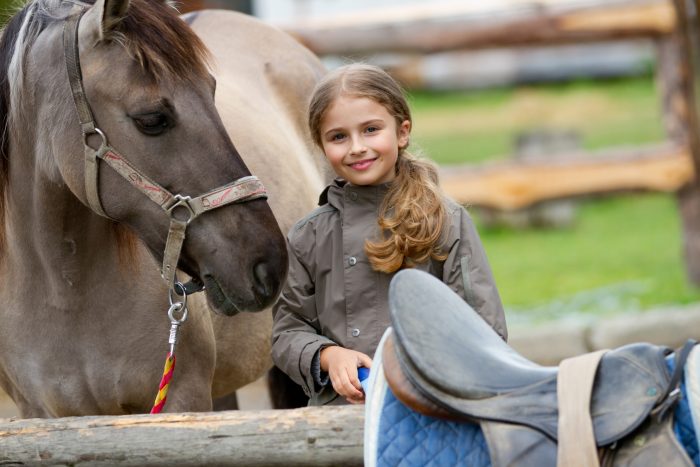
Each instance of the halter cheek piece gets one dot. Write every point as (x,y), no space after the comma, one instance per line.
(180,209)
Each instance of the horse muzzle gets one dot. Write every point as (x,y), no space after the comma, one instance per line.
(263,287)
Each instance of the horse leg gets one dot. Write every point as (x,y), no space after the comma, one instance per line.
(27,410)
(229,402)
(284,393)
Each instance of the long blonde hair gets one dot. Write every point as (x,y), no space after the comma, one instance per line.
(412,215)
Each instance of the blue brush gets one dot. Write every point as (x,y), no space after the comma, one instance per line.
(363,375)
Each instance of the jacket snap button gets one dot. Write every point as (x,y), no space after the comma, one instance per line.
(352,261)
(355,332)
(353,196)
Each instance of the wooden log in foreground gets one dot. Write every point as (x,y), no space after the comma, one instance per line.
(518,184)
(308,436)
(475,25)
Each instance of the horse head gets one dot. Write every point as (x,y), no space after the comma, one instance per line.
(146,84)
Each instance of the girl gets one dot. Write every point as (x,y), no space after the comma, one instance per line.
(384,212)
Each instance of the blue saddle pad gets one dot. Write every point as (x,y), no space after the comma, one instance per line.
(411,439)
(397,436)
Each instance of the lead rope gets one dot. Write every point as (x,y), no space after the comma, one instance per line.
(169,368)
(162,395)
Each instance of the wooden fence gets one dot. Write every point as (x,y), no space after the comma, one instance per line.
(478,25)
(319,436)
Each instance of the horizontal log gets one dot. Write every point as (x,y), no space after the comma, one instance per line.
(460,70)
(308,436)
(518,184)
(478,25)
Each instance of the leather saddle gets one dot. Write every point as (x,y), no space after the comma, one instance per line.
(443,360)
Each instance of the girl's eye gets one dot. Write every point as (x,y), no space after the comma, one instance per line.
(371,129)
(151,124)
(337,137)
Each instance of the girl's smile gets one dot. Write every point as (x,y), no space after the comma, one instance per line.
(361,140)
(362,165)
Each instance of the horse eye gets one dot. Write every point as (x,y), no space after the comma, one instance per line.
(151,124)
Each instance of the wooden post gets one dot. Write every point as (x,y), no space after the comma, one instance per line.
(678,62)
(318,436)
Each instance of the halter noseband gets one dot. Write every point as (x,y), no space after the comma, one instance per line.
(242,190)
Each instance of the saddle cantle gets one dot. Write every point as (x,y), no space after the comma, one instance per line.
(444,360)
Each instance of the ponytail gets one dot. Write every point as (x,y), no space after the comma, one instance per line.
(411,218)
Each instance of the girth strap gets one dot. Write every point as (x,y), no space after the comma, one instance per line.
(577,444)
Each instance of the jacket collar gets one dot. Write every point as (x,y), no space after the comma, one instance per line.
(335,193)
(337,183)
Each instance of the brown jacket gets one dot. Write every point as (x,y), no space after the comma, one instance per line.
(333,296)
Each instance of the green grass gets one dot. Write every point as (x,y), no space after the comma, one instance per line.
(625,250)
(623,253)
(461,127)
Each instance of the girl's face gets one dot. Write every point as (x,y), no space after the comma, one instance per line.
(361,140)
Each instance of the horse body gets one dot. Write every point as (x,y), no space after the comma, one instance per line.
(84,307)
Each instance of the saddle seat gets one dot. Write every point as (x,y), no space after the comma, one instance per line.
(444,360)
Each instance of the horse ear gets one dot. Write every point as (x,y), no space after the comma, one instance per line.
(113,12)
(102,18)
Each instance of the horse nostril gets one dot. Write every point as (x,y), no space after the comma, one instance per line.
(264,280)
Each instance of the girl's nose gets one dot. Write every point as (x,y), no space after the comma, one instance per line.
(358,146)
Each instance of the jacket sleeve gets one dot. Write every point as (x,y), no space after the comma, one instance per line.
(466,271)
(296,337)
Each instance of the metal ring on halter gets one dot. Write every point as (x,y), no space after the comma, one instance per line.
(99,132)
(181,294)
(181,201)
(177,306)
(180,305)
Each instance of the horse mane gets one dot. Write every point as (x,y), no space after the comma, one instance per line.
(161,42)
(151,32)
(7,45)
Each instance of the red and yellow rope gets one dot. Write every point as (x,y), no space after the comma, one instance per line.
(164,384)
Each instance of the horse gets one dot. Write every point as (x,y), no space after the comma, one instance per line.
(115,158)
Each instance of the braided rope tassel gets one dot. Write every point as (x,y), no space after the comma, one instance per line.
(164,384)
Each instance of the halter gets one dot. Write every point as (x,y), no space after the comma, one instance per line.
(242,190)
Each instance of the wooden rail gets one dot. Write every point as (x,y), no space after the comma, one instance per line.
(316,436)
(474,25)
(517,184)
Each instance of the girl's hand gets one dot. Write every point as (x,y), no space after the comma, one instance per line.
(341,365)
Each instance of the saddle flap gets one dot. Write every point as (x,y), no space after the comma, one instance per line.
(450,344)
(517,445)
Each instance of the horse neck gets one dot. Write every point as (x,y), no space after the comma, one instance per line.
(52,239)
